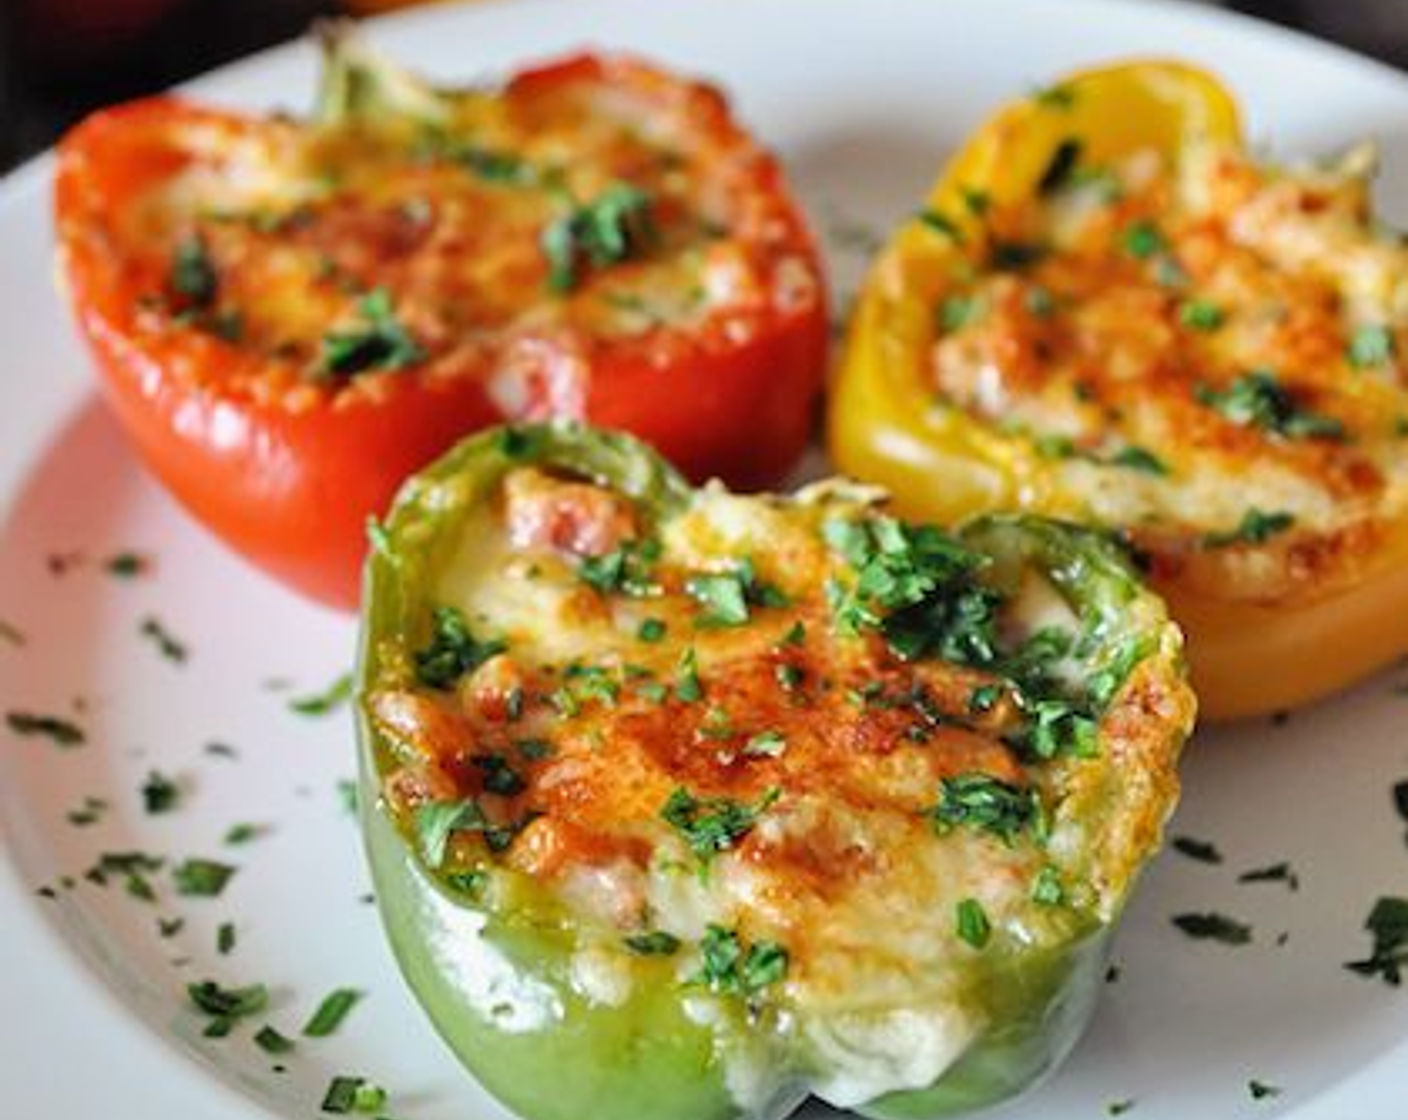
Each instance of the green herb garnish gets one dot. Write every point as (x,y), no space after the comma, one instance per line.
(731,969)
(1388,924)
(1261,1090)
(1213,927)
(202,878)
(1371,347)
(971,923)
(226,1006)
(331,1012)
(328,700)
(1201,850)
(654,943)
(453,650)
(225,938)
(688,687)
(983,802)
(1258,400)
(651,630)
(192,275)
(941,223)
(167,645)
(1138,459)
(712,824)
(1142,240)
(615,226)
(625,570)
(271,1041)
(159,793)
(1201,315)
(378,342)
(1256,527)
(1047,888)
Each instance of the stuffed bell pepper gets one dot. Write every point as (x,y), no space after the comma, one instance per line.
(292,315)
(691,805)
(1109,310)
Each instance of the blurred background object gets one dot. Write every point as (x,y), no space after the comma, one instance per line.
(61,58)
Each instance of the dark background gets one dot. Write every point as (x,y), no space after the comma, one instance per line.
(60,58)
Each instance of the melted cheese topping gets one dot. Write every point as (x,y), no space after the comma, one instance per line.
(450,217)
(1124,319)
(835,747)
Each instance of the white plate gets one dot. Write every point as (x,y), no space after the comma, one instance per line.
(863,98)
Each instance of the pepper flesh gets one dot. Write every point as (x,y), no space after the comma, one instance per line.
(373,282)
(1247,658)
(497,979)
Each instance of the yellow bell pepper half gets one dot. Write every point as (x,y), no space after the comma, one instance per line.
(888,424)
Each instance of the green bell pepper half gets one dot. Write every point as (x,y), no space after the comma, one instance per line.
(492,966)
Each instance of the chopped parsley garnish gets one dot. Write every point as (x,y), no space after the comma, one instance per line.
(585,684)
(789,677)
(159,793)
(723,598)
(942,224)
(1213,927)
(352,1094)
(1371,347)
(688,687)
(378,342)
(226,1006)
(984,698)
(331,1012)
(615,226)
(244,832)
(654,943)
(534,750)
(1062,163)
(453,650)
(1059,727)
(712,824)
(132,867)
(1258,400)
(60,731)
(971,923)
(1119,1108)
(499,776)
(728,968)
(1201,315)
(193,275)
(202,878)
(1261,1090)
(90,812)
(1201,850)
(1388,924)
(1047,888)
(271,1041)
(167,928)
(727,596)
(225,938)
(1273,873)
(1138,459)
(977,201)
(322,703)
(625,570)
(922,577)
(495,165)
(1014,256)
(1142,240)
(957,312)
(651,630)
(983,802)
(1256,527)
(436,821)
(167,645)
(765,744)
(126,565)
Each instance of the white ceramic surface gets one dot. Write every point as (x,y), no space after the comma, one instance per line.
(863,98)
